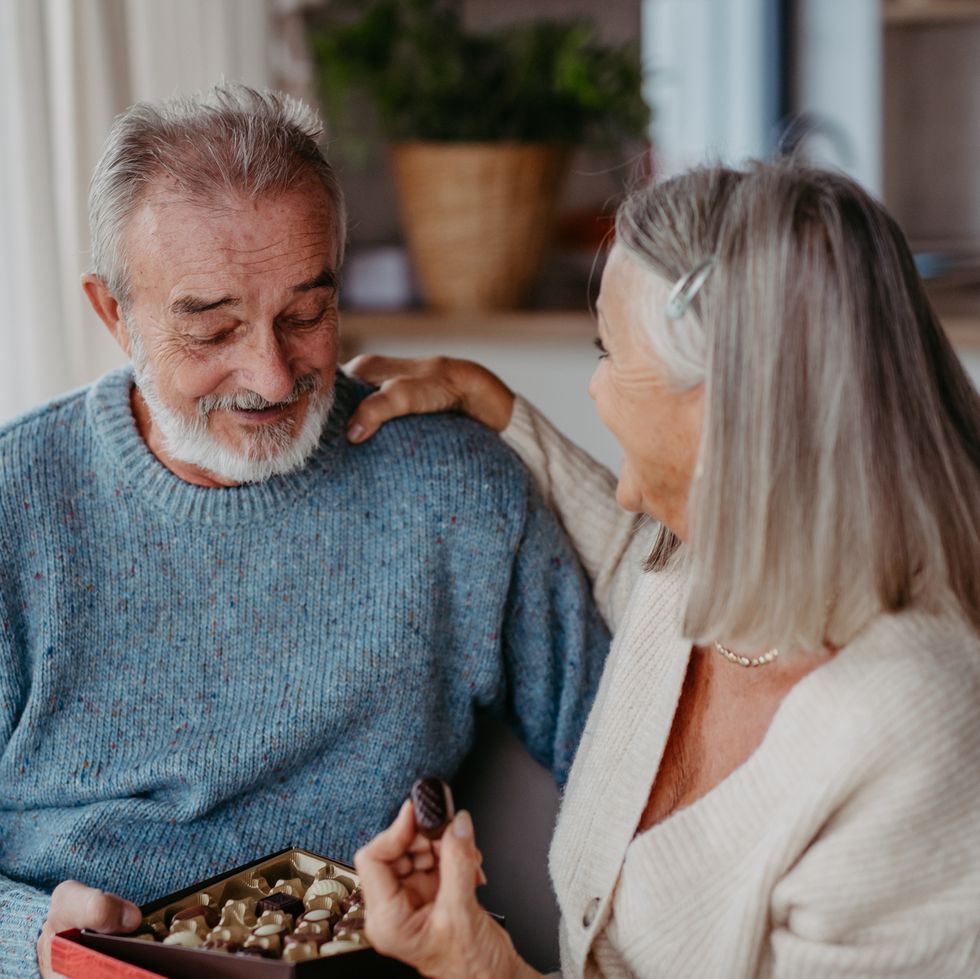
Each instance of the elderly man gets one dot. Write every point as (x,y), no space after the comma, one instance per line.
(223,628)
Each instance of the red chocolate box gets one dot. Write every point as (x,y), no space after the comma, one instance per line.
(228,910)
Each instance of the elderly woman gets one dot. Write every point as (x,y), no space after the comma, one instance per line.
(781,772)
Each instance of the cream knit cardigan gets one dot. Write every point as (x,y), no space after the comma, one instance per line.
(847,845)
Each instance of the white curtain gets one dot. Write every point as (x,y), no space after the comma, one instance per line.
(67,67)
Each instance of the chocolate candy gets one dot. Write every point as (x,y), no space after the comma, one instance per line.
(280,901)
(324,888)
(300,951)
(432,801)
(189,939)
(220,945)
(338,948)
(269,937)
(264,953)
(235,934)
(292,886)
(208,915)
(349,931)
(356,899)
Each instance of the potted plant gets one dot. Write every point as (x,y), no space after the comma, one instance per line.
(481,127)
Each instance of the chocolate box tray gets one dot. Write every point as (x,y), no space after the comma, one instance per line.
(177,962)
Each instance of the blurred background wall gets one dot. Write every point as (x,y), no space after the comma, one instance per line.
(888,91)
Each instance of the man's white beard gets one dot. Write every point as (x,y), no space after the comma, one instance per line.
(272,449)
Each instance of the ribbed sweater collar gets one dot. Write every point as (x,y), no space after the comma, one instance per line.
(135,471)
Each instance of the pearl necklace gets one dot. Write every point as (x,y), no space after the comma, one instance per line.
(733,657)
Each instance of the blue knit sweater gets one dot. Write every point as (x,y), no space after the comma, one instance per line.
(191,678)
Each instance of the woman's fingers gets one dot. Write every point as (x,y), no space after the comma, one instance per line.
(459,865)
(374,368)
(425,385)
(375,862)
(403,395)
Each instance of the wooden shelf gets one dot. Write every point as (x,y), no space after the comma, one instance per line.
(900,13)
(360,329)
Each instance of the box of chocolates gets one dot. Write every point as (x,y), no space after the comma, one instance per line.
(290,914)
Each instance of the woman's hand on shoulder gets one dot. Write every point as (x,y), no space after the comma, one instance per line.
(425,385)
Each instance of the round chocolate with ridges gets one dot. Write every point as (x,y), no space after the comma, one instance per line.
(432,801)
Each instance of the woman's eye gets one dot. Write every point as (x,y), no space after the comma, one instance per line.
(600,346)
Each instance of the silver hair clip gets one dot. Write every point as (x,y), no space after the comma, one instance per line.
(686,288)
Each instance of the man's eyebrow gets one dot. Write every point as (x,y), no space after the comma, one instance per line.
(327,279)
(192,305)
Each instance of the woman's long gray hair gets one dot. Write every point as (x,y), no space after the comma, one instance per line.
(839,466)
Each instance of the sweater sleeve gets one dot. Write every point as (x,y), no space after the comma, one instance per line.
(23,909)
(554,642)
(610,542)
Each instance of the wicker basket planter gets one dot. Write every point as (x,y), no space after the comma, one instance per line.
(477,217)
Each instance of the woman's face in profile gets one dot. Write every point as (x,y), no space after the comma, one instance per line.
(658,427)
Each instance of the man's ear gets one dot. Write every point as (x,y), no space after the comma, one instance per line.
(107,308)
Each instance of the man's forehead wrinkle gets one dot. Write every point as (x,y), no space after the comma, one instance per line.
(216,282)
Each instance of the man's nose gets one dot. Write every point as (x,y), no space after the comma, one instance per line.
(266,367)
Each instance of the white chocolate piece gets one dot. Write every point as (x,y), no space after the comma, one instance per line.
(238,913)
(228,933)
(187,939)
(278,918)
(325,902)
(320,888)
(339,948)
(197,924)
(301,951)
(293,887)
(267,936)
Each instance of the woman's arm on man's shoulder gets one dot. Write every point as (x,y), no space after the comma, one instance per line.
(610,542)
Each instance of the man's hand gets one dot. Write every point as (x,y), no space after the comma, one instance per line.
(74,905)
(415,387)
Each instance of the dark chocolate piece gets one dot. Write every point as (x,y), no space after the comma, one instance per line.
(432,801)
(280,901)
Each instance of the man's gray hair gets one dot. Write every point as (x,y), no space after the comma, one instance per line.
(838,474)
(230,139)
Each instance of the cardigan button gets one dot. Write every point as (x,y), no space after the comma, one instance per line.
(591,910)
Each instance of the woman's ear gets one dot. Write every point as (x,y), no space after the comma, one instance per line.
(107,308)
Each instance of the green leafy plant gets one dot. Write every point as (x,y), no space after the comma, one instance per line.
(431,79)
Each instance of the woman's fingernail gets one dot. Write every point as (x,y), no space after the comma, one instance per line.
(131,917)
(355,433)
(463,825)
